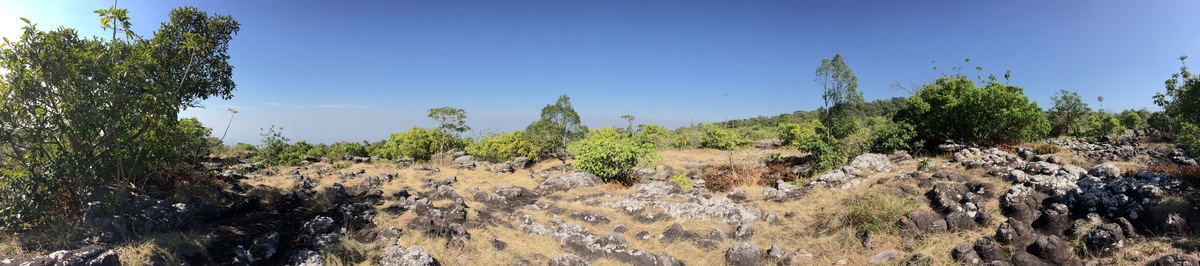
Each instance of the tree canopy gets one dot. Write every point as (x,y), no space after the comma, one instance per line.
(558,126)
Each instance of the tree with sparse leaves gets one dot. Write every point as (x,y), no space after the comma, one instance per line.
(451,121)
(841,95)
(558,126)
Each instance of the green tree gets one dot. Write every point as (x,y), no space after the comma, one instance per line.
(628,118)
(417,143)
(841,94)
(75,108)
(954,108)
(1181,102)
(347,148)
(1068,112)
(451,121)
(612,155)
(558,126)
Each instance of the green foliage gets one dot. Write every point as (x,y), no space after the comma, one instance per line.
(686,138)
(654,134)
(451,121)
(558,126)
(841,96)
(878,211)
(319,150)
(187,140)
(611,155)
(889,137)
(243,148)
(719,138)
(78,111)
(503,147)
(1163,123)
(826,153)
(1190,134)
(1182,98)
(792,134)
(341,165)
(1102,124)
(953,108)
(292,154)
(271,150)
(417,143)
(1132,119)
(1068,113)
(683,181)
(350,148)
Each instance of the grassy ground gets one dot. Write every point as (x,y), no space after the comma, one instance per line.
(820,223)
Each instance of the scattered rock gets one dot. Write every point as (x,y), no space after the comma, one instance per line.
(743,254)
(884,256)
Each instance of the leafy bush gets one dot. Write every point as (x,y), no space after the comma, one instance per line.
(318,150)
(954,108)
(719,138)
(1131,119)
(611,155)
(792,134)
(348,148)
(292,154)
(878,211)
(503,147)
(1102,124)
(273,144)
(655,134)
(890,137)
(683,181)
(686,138)
(1190,134)
(826,154)
(417,143)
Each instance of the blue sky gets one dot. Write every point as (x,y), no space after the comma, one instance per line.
(359,70)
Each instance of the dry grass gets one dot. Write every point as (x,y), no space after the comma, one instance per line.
(163,249)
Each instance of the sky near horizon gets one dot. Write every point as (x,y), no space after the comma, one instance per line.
(359,70)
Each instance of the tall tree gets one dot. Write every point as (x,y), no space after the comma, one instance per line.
(628,118)
(451,121)
(558,126)
(78,110)
(1068,111)
(840,91)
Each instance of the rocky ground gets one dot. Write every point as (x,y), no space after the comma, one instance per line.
(1087,203)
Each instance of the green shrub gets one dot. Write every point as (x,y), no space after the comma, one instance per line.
(273,144)
(503,147)
(891,137)
(341,165)
(1190,134)
(292,154)
(792,134)
(1101,124)
(826,154)
(878,211)
(716,137)
(954,108)
(686,138)
(347,148)
(1131,119)
(683,181)
(611,155)
(650,133)
(318,150)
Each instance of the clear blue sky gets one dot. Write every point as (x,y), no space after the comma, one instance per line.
(359,70)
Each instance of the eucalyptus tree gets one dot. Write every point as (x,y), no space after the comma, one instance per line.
(841,94)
